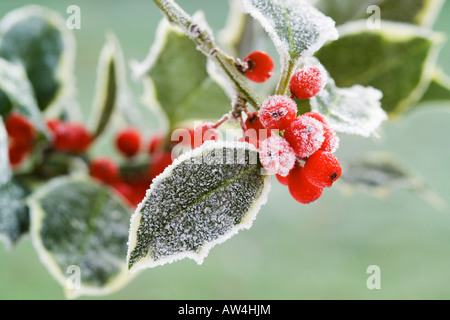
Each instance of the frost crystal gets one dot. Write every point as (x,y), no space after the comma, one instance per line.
(277,156)
(355,110)
(295,26)
(202,199)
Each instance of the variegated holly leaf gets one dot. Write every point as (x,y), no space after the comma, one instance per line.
(176,79)
(420,12)
(397,59)
(355,110)
(439,89)
(80,230)
(17,92)
(40,41)
(295,26)
(206,196)
(14,215)
(5,168)
(381,173)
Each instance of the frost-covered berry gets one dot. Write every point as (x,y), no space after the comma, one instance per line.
(277,156)
(19,129)
(260,66)
(322,169)
(301,189)
(277,112)
(104,170)
(128,142)
(204,132)
(307,82)
(283,180)
(331,141)
(305,135)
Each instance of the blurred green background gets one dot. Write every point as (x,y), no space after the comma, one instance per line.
(293,251)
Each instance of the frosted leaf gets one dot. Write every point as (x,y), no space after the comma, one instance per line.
(14,220)
(381,173)
(40,41)
(295,26)
(202,199)
(76,222)
(277,156)
(356,110)
(17,88)
(178,83)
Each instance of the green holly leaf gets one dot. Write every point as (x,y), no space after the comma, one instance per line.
(355,110)
(17,91)
(206,196)
(400,64)
(439,89)
(110,82)
(14,214)
(420,12)
(295,26)
(177,80)
(38,39)
(381,173)
(79,225)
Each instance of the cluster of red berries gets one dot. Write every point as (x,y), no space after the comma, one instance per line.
(129,143)
(21,136)
(69,137)
(301,156)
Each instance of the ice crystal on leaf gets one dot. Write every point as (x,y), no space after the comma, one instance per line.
(202,199)
(295,26)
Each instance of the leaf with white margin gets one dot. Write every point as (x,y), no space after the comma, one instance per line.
(77,223)
(110,75)
(399,59)
(296,27)
(356,110)
(380,173)
(39,39)
(177,79)
(206,196)
(16,87)
(14,214)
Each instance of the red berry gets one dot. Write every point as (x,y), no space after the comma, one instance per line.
(204,132)
(283,180)
(260,66)
(322,169)
(105,170)
(301,189)
(254,130)
(307,82)
(156,143)
(127,192)
(160,161)
(277,156)
(128,142)
(70,137)
(84,138)
(331,141)
(277,112)
(17,153)
(305,135)
(20,129)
